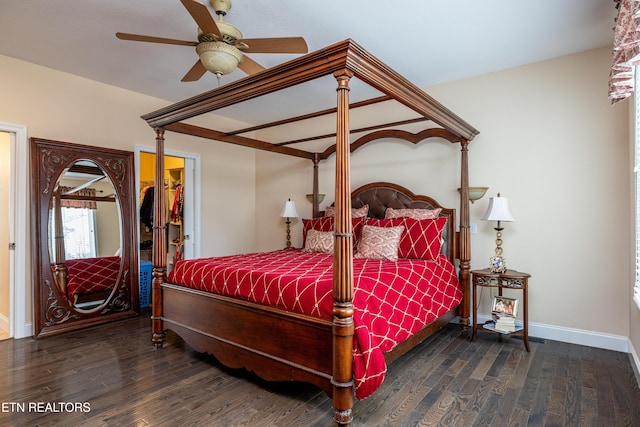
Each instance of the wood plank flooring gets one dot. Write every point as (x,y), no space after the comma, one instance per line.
(446,381)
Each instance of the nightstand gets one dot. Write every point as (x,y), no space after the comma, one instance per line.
(509,279)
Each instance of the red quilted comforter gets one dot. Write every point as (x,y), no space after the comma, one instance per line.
(91,274)
(392,300)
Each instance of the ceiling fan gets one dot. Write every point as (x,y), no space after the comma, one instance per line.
(220,45)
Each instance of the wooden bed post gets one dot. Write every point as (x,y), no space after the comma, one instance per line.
(159,242)
(316,200)
(343,328)
(465,235)
(61,254)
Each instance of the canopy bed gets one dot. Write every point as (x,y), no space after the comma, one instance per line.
(280,343)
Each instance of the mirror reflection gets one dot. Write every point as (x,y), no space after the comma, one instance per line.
(85,235)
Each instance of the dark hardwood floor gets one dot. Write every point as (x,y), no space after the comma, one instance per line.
(447,380)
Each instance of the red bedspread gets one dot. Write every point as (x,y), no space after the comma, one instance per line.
(392,300)
(91,274)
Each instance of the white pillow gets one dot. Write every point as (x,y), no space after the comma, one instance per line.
(319,241)
(379,242)
(355,212)
(412,213)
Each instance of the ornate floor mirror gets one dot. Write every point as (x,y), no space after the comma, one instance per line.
(83,219)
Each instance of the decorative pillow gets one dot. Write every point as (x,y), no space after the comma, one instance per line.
(379,242)
(422,239)
(355,212)
(319,241)
(327,224)
(412,213)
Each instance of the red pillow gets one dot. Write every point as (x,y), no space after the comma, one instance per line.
(421,239)
(325,223)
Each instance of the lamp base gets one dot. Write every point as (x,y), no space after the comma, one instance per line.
(288,222)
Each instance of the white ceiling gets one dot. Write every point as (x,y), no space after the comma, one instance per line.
(427,41)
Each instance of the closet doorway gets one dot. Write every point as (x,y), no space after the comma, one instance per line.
(15,301)
(181,190)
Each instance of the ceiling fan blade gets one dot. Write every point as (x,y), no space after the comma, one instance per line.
(151,39)
(249,66)
(195,72)
(201,15)
(276,45)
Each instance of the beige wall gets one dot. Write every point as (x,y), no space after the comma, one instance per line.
(5,166)
(555,146)
(64,107)
(551,142)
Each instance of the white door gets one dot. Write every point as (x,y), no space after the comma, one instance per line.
(15,249)
(6,203)
(191,194)
(188,221)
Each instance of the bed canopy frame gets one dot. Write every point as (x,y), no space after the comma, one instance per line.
(345,61)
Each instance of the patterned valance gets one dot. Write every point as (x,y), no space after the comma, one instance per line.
(85,204)
(626,50)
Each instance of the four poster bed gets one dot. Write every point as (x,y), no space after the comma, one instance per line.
(329,338)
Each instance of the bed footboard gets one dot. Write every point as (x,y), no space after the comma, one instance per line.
(276,345)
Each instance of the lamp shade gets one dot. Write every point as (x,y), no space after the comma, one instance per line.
(475,193)
(219,57)
(498,210)
(289,210)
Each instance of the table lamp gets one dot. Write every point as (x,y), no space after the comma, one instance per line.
(289,212)
(498,211)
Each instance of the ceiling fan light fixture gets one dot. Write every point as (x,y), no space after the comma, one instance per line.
(218,57)
(220,45)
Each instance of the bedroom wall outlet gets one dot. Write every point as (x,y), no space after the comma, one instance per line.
(473,228)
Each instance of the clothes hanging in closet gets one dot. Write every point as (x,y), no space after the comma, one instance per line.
(146,208)
(176,209)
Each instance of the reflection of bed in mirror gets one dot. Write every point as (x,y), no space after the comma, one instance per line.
(86,270)
(90,281)
(85,217)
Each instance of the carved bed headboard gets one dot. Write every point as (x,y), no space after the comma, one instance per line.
(382,195)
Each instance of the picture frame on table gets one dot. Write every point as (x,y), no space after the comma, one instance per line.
(503,306)
(497,264)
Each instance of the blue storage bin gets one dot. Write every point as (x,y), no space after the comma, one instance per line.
(146,268)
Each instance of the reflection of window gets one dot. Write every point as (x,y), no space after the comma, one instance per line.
(79,228)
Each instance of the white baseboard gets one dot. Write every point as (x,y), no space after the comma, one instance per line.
(576,336)
(28,330)
(636,361)
(24,332)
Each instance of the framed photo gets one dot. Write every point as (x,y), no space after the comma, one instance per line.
(504,306)
(497,264)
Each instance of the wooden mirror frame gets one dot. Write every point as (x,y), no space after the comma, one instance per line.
(53,312)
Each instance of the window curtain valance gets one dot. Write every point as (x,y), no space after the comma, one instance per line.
(626,49)
(84,204)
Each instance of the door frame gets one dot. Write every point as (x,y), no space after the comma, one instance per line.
(19,326)
(192,192)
